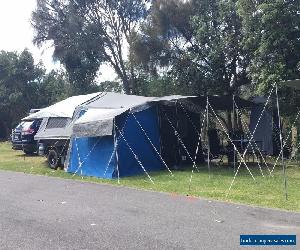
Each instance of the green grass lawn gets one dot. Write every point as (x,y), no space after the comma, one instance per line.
(265,191)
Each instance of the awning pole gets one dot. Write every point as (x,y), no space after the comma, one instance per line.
(151,143)
(115,150)
(197,149)
(133,153)
(208,146)
(233,122)
(179,138)
(251,138)
(255,147)
(286,140)
(281,144)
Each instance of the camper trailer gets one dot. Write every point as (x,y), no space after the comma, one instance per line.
(56,127)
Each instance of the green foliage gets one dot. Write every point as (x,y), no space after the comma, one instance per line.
(159,86)
(198,43)
(74,46)
(23,86)
(218,37)
(88,33)
(109,86)
(19,78)
(175,47)
(271,32)
(54,87)
(216,46)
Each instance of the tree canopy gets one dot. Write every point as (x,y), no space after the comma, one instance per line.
(271,33)
(156,47)
(87,33)
(199,46)
(25,85)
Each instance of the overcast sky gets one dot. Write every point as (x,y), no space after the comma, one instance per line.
(17,34)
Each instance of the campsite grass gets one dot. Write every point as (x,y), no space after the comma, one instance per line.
(265,191)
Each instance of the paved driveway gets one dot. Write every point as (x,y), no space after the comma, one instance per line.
(39,212)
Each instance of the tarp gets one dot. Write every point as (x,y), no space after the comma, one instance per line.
(96,122)
(292,84)
(63,108)
(117,101)
(95,156)
(135,137)
(101,111)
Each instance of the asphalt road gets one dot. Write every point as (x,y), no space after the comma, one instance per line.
(39,212)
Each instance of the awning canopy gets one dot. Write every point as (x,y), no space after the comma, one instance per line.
(101,111)
(292,84)
(96,122)
(110,100)
(223,103)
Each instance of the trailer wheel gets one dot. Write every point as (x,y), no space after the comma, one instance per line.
(53,159)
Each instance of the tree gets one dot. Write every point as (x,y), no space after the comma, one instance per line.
(109,86)
(89,32)
(57,22)
(272,35)
(19,78)
(197,43)
(271,31)
(53,88)
(160,45)
(25,85)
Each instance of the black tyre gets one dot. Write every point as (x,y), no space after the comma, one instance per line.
(53,159)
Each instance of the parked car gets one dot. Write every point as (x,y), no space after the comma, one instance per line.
(23,136)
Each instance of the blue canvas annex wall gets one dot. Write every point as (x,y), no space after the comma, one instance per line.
(94,154)
(99,157)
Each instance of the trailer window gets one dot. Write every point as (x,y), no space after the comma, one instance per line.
(57,122)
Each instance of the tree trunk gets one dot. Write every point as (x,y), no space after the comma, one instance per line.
(126,85)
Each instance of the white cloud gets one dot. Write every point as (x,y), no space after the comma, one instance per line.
(17,34)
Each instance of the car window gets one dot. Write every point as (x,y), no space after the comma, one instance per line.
(36,124)
(20,125)
(27,125)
